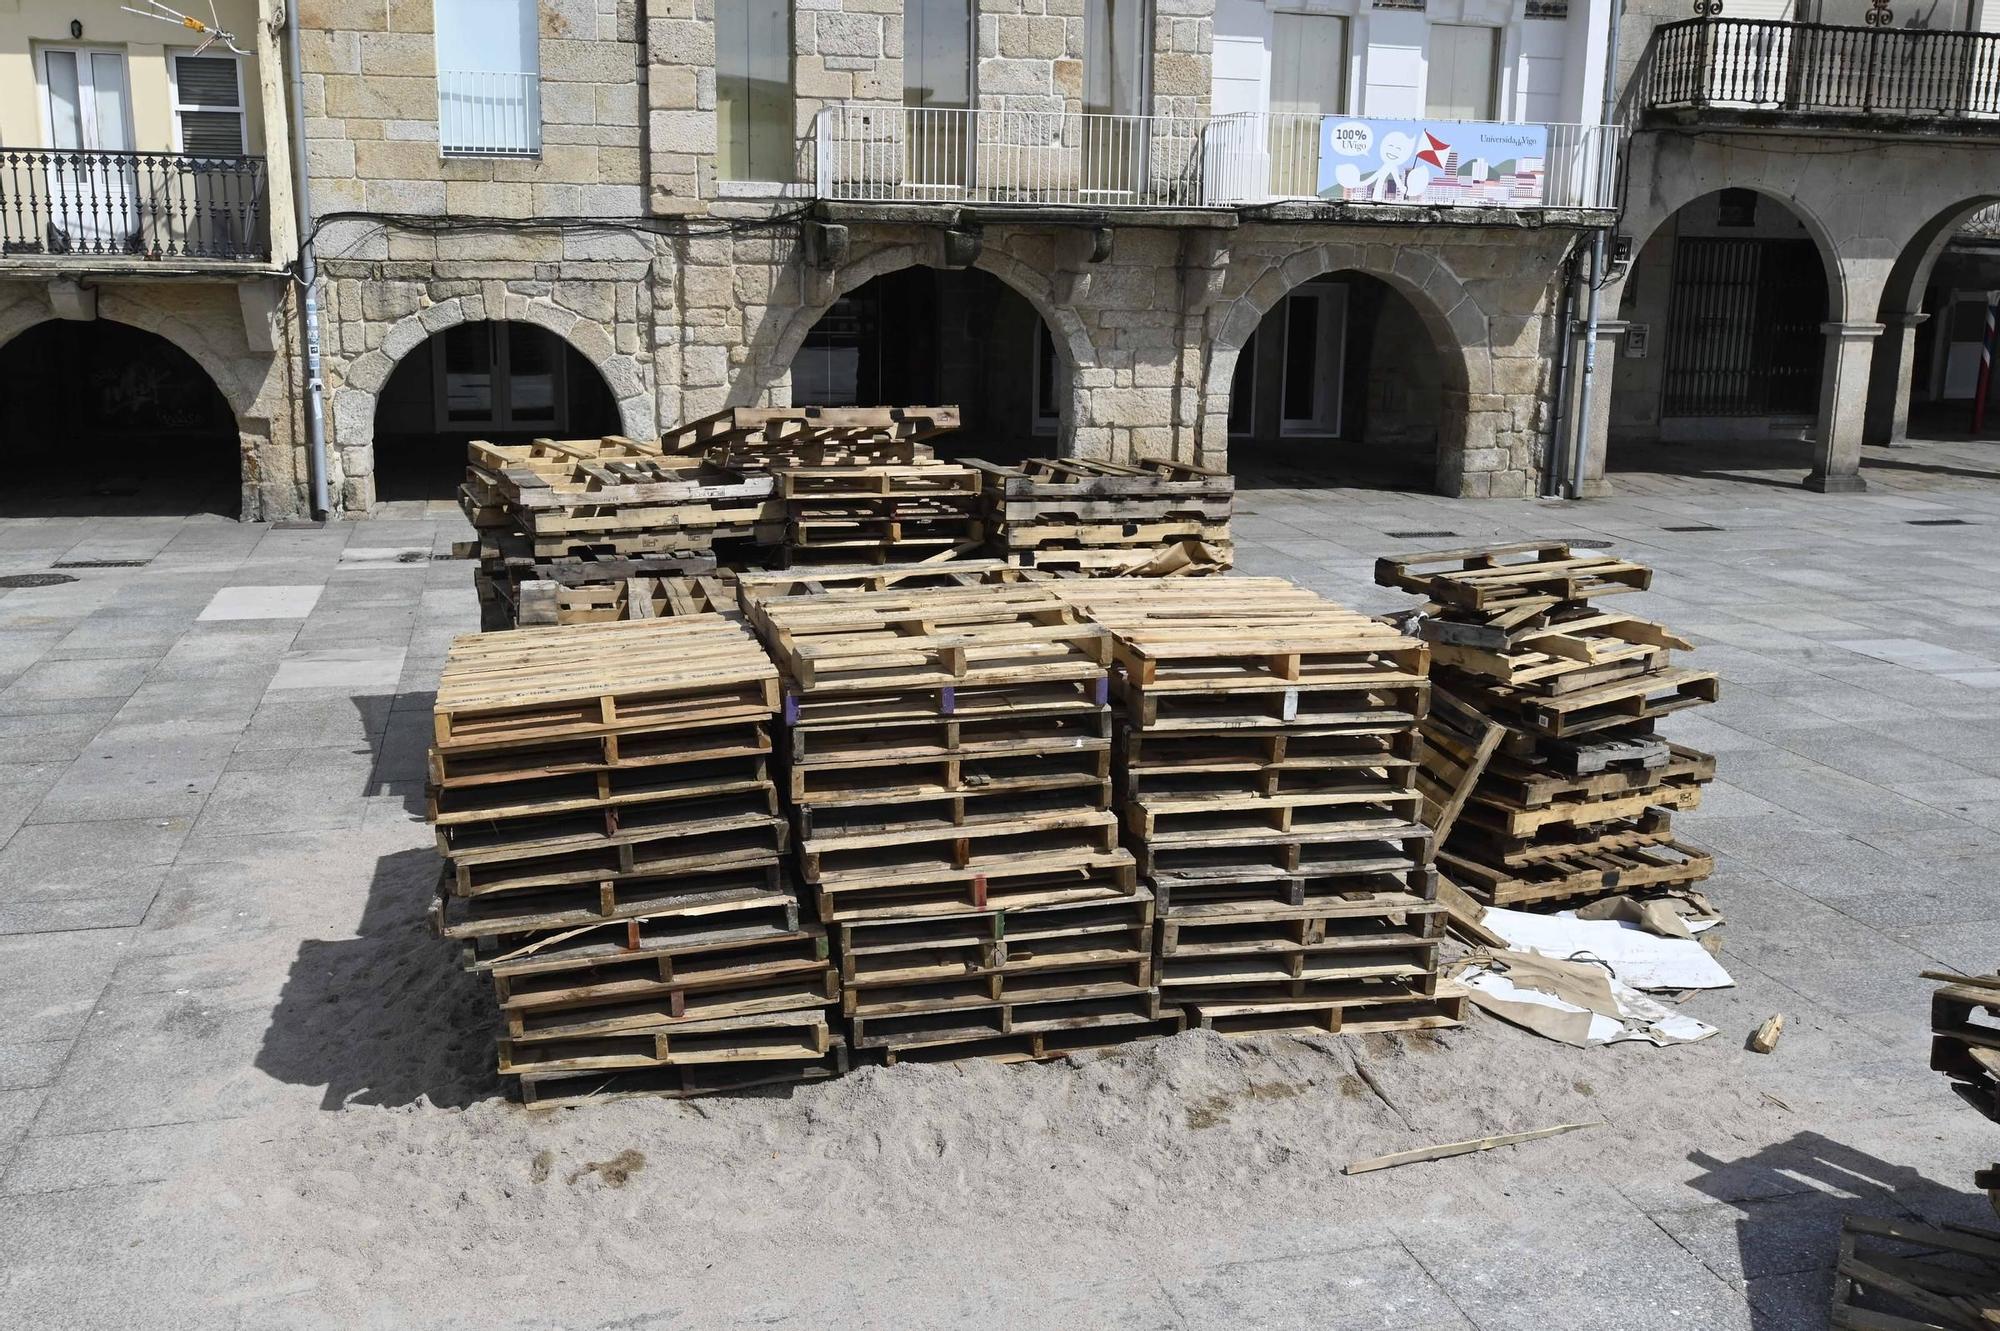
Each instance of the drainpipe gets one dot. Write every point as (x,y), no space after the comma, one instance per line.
(1559,445)
(308,274)
(1580,432)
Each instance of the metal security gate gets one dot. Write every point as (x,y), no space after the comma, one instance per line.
(1743,335)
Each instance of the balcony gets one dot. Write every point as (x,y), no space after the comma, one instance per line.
(883,153)
(155,206)
(877,153)
(1811,75)
(1276,157)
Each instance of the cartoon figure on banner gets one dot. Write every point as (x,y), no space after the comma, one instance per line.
(1405,170)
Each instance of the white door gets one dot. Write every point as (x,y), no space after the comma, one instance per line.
(1308,81)
(93,195)
(1459,76)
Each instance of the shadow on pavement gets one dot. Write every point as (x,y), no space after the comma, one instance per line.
(1792,1197)
(390,1017)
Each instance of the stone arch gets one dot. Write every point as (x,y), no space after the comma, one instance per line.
(351,410)
(1886,415)
(115,307)
(1646,216)
(1450,314)
(773,351)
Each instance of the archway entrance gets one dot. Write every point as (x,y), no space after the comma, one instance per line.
(1724,347)
(100,417)
(1937,297)
(1341,383)
(499,381)
(934,336)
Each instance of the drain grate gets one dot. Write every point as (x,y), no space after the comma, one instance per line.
(1936,522)
(35,579)
(101,563)
(298,524)
(1697,528)
(1591,545)
(1418,535)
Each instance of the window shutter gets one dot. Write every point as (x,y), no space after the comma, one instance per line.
(212,133)
(206,80)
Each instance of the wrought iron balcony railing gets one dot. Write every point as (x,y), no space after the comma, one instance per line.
(141,205)
(1816,69)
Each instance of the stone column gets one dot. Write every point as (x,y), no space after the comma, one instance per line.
(1887,422)
(1843,400)
(1597,430)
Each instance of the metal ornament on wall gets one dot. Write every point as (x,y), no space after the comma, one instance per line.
(1879,14)
(1707,8)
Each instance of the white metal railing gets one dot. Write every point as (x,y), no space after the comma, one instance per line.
(1269,157)
(486,114)
(880,152)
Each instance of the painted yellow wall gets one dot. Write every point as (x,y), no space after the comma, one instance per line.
(28,25)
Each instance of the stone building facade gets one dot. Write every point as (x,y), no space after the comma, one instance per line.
(688,291)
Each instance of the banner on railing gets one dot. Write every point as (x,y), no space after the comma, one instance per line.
(1433,161)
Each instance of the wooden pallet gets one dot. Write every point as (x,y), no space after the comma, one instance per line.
(587,972)
(511,920)
(1905,1275)
(1038,1046)
(1058,1008)
(1458,744)
(1965,1036)
(680,1082)
(1488,577)
(926,947)
(1565,877)
(794,1035)
(643,1029)
(1387,1008)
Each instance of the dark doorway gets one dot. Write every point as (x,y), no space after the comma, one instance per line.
(100,417)
(1743,332)
(932,337)
(1340,383)
(503,382)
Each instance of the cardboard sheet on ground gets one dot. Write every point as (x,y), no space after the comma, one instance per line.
(1575,1002)
(1636,956)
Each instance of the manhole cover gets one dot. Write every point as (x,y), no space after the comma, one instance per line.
(1418,535)
(35,579)
(101,563)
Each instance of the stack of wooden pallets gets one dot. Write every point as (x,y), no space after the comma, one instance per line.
(1574,792)
(1965,1036)
(1095,517)
(615,859)
(946,760)
(583,513)
(1265,759)
(656,597)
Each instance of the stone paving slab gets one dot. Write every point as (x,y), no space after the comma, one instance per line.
(264,602)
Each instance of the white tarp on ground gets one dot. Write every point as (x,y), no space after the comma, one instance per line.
(1634,956)
(1574,1002)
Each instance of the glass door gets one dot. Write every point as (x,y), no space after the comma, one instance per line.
(1315,357)
(93,180)
(1117,72)
(1460,83)
(937,93)
(1308,82)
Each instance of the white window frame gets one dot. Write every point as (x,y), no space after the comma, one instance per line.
(242,108)
(1325,422)
(86,117)
(513,125)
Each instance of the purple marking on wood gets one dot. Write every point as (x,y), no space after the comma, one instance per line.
(948,700)
(1103,694)
(791,709)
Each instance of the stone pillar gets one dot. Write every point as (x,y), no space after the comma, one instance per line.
(1887,422)
(1843,400)
(1597,430)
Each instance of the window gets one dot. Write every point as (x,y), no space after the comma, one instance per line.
(753,90)
(87,102)
(489,78)
(499,376)
(1117,39)
(1460,83)
(937,89)
(1308,81)
(208,106)
(92,201)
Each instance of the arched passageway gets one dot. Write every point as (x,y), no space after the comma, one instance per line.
(938,336)
(100,417)
(1341,383)
(1926,372)
(1724,345)
(500,381)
